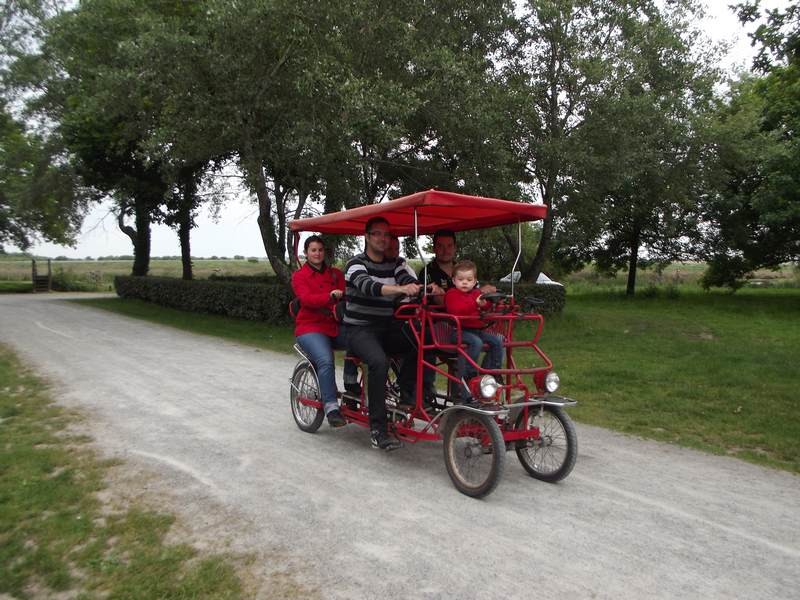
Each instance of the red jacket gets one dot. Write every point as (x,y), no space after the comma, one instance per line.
(314,288)
(464,304)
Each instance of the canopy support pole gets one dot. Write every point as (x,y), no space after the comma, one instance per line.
(519,253)
(419,253)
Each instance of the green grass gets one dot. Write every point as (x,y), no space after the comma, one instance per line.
(56,537)
(683,277)
(98,275)
(15,287)
(713,371)
(101,273)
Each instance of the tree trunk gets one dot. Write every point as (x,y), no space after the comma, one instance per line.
(532,273)
(141,257)
(548,175)
(139,236)
(633,263)
(188,190)
(254,173)
(301,202)
(184,228)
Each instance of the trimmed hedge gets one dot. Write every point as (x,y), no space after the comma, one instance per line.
(253,301)
(267,302)
(270,279)
(554,296)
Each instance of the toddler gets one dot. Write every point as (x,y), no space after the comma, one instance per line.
(464,300)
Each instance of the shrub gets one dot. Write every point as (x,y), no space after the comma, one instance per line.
(261,301)
(68,281)
(263,278)
(245,300)
(554,296)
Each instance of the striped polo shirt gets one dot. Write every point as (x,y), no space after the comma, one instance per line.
(364,281)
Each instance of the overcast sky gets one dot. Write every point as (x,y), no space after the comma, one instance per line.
(237,232)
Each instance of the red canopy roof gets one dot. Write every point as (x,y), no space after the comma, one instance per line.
(435,210)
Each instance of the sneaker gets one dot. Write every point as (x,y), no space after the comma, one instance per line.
(381,439)
(335,419)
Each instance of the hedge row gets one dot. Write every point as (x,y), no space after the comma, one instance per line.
(267,302)
(554,296)
(264,278)
(253,301)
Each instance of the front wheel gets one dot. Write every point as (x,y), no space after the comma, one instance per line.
(551,455)
(474,453)
(304,387)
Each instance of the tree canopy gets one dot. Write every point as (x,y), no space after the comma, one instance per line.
(753,212)
(605,110)
(38,194)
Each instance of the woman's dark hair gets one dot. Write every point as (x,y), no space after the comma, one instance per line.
(312,238)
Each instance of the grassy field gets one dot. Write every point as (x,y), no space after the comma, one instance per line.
(713,371)
(99,274)
(677,276)
(57,539)
(710,371)
(15,287)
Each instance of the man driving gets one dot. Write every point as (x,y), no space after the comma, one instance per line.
(373,281)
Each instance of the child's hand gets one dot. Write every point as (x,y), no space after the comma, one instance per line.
(480,301)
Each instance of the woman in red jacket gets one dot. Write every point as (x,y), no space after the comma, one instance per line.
(319,287)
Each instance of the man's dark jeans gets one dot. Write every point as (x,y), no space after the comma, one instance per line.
(372,344)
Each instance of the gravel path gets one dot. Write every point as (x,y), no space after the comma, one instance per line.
(209,421)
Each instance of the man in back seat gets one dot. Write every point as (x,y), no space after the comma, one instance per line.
(440,270)
(372,283)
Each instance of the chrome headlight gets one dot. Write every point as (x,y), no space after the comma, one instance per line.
(552,381)
(488,386)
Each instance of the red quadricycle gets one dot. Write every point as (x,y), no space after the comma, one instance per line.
(515,407)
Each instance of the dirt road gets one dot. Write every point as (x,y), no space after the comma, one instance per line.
(211,420)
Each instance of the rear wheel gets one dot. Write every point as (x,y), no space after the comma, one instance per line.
(551,456)
(474,453)
(305,386)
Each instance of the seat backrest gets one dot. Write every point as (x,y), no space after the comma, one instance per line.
(338,310)
(294,307)
(499,327)
(442,331)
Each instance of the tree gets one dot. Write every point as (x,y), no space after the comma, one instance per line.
(494,250)
(39,197)
(648,140)
(334,106)
(81,79)
(582,60)
(754,213)
(565,59)
(754,216)
(187,161)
